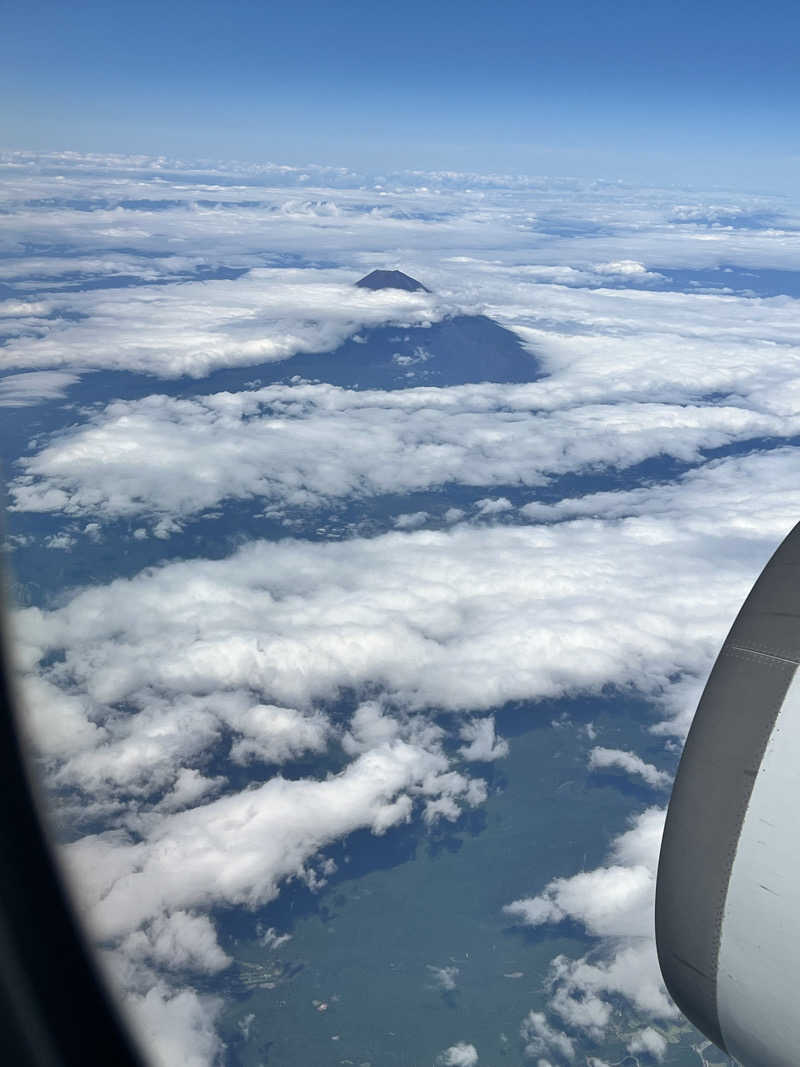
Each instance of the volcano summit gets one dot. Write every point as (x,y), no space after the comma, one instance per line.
(391,279)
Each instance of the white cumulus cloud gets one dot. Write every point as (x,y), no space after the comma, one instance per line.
(459,1055)
(605,758)
(483,743)
(615,904)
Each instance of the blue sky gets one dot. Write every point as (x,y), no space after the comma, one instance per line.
(675,92)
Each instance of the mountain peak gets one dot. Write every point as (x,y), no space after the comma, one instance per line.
(391,279)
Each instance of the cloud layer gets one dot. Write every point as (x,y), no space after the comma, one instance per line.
(377,661)
(194,327)
(305,445)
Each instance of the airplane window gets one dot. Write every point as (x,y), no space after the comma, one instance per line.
(396,407)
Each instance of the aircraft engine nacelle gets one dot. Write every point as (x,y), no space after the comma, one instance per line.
(728,891)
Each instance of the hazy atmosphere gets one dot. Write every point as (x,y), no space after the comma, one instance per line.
(361,625)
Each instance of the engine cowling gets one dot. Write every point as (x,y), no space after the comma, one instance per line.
(728,890)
